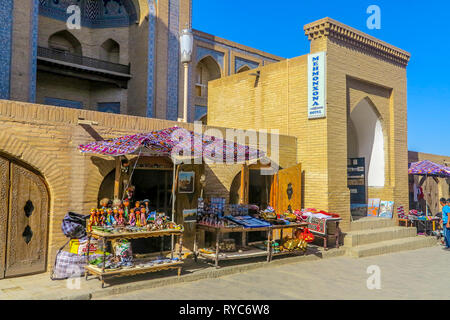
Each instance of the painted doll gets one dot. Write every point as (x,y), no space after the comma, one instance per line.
(126,208)
(110,221)
(147,204)
(122,214)
(102,217)
(143,217)
(132,220)
(121,221)
(104,203)
(91,220)
(116,215)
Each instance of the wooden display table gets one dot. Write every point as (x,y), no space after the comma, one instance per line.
(247,252)
(129,271)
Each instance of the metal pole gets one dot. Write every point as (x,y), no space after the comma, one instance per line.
(173,204)
(185,102)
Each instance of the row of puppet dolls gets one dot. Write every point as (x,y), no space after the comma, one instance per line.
(120,213)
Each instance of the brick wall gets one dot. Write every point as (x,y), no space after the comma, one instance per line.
(47,137)
(279,101)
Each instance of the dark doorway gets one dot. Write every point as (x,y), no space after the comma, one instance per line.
(154,185)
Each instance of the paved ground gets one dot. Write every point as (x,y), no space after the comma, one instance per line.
(418,274)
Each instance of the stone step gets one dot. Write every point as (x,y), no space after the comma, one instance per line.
(363,237)
(369,223)
(391,246)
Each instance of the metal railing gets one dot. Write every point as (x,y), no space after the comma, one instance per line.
(68,57)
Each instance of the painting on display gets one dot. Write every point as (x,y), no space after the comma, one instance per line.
(386,209)
(190,215)
(186,181)
(373,207)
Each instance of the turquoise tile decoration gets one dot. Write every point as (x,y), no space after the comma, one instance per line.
(6,22)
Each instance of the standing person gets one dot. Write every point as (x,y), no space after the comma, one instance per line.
(445,221)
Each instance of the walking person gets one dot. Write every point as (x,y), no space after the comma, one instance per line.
(445,221)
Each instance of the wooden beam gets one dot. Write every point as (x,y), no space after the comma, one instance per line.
(117,178)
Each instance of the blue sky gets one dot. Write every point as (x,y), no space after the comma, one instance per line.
(418,27)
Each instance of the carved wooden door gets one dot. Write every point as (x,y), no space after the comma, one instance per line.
(26,242)
(4,200)
(286,193)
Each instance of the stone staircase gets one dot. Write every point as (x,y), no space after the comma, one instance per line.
(374,236)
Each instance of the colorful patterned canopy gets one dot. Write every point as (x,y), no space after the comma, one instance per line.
(426,167)
(166,141)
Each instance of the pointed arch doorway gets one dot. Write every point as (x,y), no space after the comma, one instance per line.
(366,143)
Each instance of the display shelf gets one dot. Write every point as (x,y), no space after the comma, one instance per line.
(135,235)
(103,273)
(251,253)
(254,252)
(134,270)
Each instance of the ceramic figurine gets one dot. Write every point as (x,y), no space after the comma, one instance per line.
(132,220)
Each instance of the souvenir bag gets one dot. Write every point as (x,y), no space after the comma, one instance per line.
(68,264)
(74,225)
(307,235)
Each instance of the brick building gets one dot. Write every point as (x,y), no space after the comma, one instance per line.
(124,58)
(121,72)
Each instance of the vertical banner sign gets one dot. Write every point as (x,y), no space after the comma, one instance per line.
(317,85)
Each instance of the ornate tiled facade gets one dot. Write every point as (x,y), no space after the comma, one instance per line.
(95,13)
(173,60)
(240,62)
(33,47)
(218,56)
(6,14)
(147,37)
(151,58)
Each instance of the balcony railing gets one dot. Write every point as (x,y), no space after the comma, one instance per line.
(67,57)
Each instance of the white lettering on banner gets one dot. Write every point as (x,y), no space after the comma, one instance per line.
(316,85)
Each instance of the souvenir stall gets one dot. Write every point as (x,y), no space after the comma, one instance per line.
(424,221)
(216,217)
(286,229)
(125,218)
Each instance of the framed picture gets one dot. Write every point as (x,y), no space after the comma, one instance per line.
(373,207)
(386,209)
(190,215)
(186,182)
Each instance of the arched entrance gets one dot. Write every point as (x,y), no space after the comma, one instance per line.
(24,214)
(366,140)
(207,69)
(365,148)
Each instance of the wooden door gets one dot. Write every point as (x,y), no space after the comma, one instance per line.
(26,251)
(4,200)
(286,193)
(245,185)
